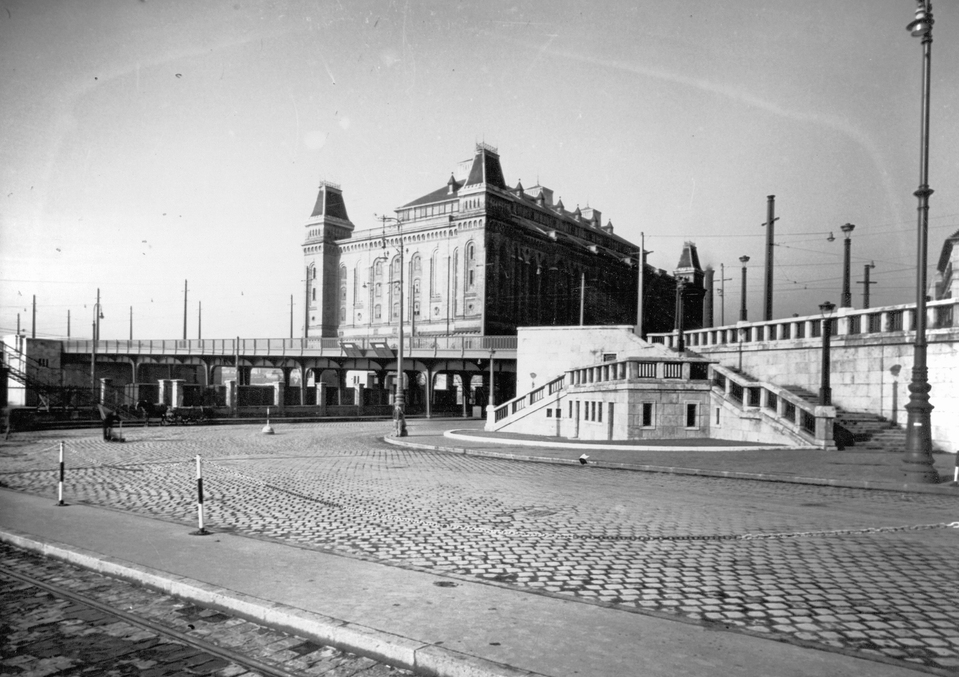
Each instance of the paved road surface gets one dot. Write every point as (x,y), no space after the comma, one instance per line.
(848,570)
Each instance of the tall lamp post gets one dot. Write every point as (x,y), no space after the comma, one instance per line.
(917,457)
(97,316)
(400,401)
(825,392)
(680,338)
(846,301)
(742,307)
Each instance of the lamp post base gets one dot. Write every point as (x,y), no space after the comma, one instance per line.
(918,464)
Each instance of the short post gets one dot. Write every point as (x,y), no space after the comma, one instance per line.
(199,500)
(60,502)
(267,429)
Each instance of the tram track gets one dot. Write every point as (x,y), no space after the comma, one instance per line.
(247,662)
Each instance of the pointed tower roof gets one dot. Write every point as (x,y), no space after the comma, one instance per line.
(329,213)
(329,202)
(689,258)
(486,168)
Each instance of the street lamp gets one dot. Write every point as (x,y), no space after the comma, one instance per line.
(919,465)
(742,308)
(97,316)
(680,338)
(825,392)
(400,401)
(846,293)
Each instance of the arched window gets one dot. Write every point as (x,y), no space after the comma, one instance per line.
(314,293)
(377,311)
(469,265)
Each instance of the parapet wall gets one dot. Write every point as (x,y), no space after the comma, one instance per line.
(871,360)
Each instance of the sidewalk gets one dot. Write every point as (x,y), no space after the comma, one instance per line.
(710,458)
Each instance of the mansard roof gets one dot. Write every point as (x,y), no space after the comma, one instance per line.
(689,259)
(329,202)
(447,192)
(485,169)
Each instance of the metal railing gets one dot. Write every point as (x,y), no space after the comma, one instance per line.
(289,347)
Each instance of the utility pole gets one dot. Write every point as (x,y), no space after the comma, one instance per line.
(199,321)
(33,324)
(68,323)
(742,308)
(770,243)
(865,282)
(642,289)
(306,306)
(722,293)
(131,323)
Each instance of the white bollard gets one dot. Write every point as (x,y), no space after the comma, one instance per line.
(60,483)
(267,429)
(199,500)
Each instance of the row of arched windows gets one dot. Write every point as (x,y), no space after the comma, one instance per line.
(378,287)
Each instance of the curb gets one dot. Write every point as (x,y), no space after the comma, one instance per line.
(428,660)
(942,489)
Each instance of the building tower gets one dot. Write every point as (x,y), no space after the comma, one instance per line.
(694,290)
(325,301)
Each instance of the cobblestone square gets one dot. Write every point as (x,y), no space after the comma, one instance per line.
(844,569)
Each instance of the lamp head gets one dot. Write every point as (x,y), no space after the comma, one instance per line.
(922,26)
(847,229)
(744,259)
(831,238)
(827,308)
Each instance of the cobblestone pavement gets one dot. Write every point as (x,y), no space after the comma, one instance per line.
(45,633)
(860,571)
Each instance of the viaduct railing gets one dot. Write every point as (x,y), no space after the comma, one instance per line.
(296,347)
(847,322)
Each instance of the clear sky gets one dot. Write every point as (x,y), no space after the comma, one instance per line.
(145,143)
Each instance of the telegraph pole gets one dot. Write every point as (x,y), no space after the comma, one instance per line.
(768,293)
(865,282)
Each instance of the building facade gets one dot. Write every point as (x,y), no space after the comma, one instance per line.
(476,256)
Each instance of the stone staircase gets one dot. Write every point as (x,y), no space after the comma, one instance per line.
(860,429)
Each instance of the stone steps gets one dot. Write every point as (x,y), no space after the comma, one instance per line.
(859,429)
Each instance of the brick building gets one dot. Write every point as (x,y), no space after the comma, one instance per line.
(481,257)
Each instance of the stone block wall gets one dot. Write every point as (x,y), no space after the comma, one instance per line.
(868,373)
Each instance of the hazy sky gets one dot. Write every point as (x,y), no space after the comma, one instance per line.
(144,143)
